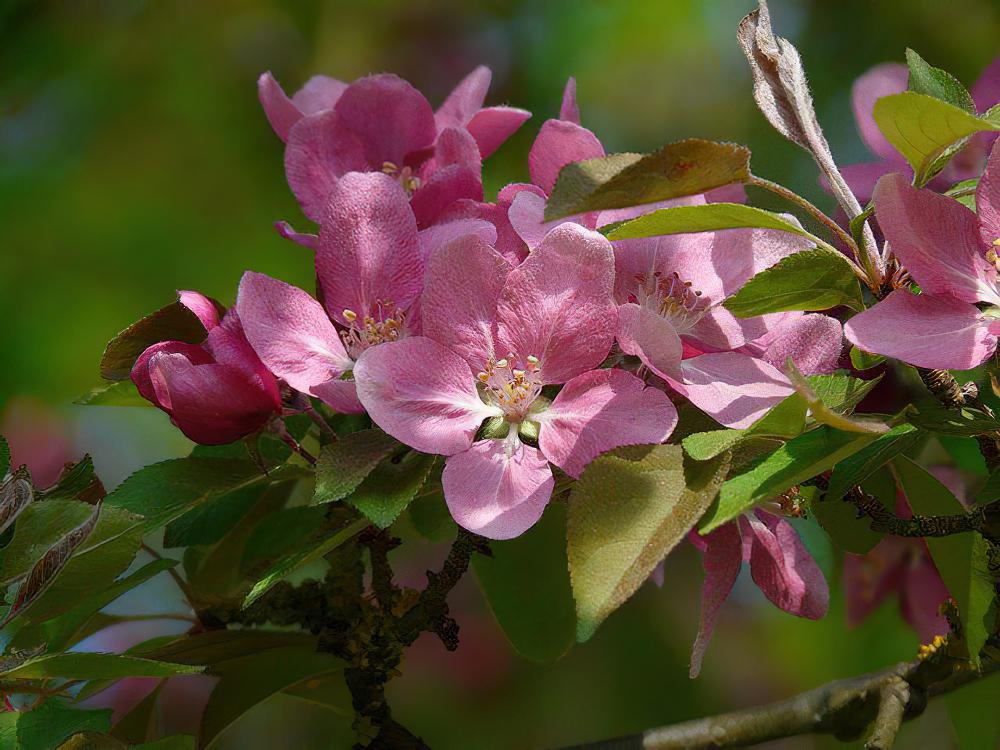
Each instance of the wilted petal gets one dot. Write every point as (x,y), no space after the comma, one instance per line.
(204,307)
(570,110)
(881,80)
(722,559)
(290,332)
(369,251)
(601,410)
(650,337)
(988,202)
(422,394)
(463,284)
(937,239)
(735,389)
(923,330)
(814,342)
(557,304)
(497,489)
(558,144)
(280,110)
(494,125)
(465,99)
(782,567)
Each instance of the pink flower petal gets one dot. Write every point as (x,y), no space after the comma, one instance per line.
(465,99)
(988,202)
(650,337)
(937,239)
(459,306)
(140,370)
(447,232)
(814,342)
(862,178)
(782,567)
(319,93)
(339,394)
(921,596)
(601,410)
(869,579)
(281,112)
(735,389)
(369,252)
(310,241)
(228,345)
(722,559)
(318,151)
(508,243)
(558,144)
(557,304)
(453,174)
(422,394)
(986,90)
(210,403)
(494,125)
(570,110)
(923,330)
(494,494)
(204,307)
(290,332)
(879,81)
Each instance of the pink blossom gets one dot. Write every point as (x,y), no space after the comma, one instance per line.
(370,266)
(382,124)
(215,392)
(780,565)
(891,78)
(494,336)
(951,252)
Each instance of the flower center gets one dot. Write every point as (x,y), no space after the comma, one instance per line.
(511,384)
(386,323)
(992,255)
(406,177)
(670,297)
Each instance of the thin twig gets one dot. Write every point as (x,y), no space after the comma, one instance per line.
(181,583)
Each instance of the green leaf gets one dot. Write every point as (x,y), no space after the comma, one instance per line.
(77,481)
(786,420)
(816,279)
(250,680)
(164,491)
(140,722)
(39,529)
(975,728)
(4,456)
(819,407)
(965,192)
(305,555)
(964,451)
(799,459)
(429,513)
(862,360)
(208,523)
(526,583)
(52,722)
(171,323)
(16,494)
(922,128)
(839,518)
(966,420)
(686,167)
(839,392)
(926,79)
(387,490)
(709,217)
(629,509)
(281,533)
(855,469)
(960,558)
(94,666)
(343,465)
(216,646)
(118,393)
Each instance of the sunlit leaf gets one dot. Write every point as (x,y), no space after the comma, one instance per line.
(709,217)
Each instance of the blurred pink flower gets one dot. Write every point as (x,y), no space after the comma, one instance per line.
(494,336)
(38,437)
(215,392)
(780,565)
(951,252)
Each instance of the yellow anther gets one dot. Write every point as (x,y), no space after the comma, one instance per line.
(389,168)
(350,316)
(928,649)
(518,374)
(483,377)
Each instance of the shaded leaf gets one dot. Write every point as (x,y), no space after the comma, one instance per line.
(208,522)
(966,420)
(4,456)
(822,412)
(118,393)
(855,469)
(77,481)
(686,167)
(840,520)
(862,360)
(816,279)
(282,532)
(526,582)
(16,494)
(214,647)
(387,490)
(171,323)
(140,722)
(39,528)
(926,79)
(93,665)
(975,729)
(786,420)
(343,465)
(709,217)
(53,721)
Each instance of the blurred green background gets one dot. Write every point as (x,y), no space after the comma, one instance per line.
(135,160)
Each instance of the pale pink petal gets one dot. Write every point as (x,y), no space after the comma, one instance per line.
(369,252)
(613,215)
(290,332)
(986,90)
(988,202)
(205,308)
(140,370)
(722,559)
(459,306)
(814,342)
(718,330)
(465,99)
(317,153)
(497,489)
(319,93)
(280,110)
(920,598)
(923,330)
(527,216)
(937,239)
(557,304)
(558,144)
(310,241)
(639,262)
(734,193)
(782,567)
(210,403)
(422,394)
(340,394)
(570,110)
(601,410)
(879,81)
(447,232)
(735,389)
(650,337)
(389,118)
(494,125)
